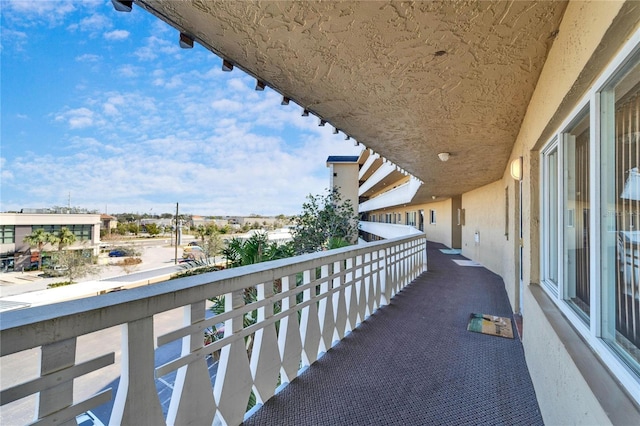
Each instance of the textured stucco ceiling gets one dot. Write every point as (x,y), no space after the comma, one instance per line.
(407,79)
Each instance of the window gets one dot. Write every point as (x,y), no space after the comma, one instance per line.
(550,216)
(590,213)
(432,217)
(620,208)
(411,218)
(82,232)
(576,144)
(7,234)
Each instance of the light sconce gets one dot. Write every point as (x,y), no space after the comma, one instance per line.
(226,65)
(335,130)
(122,5)
(285,101)
(259,85)
(347,137)
(186,42)
(516,168)
(322,122)
(305,113)
(443,156)
(356,143)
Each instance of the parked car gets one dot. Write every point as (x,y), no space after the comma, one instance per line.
(55,271)
(118,253)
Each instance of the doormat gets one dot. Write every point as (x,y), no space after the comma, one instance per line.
(466,262)
(451,251)
(489,324)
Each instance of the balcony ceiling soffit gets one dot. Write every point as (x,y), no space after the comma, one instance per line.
(377,71)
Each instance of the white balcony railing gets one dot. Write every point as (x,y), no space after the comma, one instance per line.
(319,298)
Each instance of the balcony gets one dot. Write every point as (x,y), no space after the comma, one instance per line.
(359,335)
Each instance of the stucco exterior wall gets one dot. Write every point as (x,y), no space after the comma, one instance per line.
(439,232)
(485,215)
(589,36)
(345,177)
(564,396)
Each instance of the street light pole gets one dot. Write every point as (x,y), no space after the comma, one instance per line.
(175,260)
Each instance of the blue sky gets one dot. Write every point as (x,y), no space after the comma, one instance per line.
(106,108)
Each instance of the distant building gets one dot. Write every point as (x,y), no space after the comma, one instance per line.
(108,223)
(15,254)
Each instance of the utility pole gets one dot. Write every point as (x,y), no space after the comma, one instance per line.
(175,260)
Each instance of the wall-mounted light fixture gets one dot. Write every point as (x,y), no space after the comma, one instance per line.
(226,65)
(516,168)
(335,130)
(260,85)
(186,42)
(443,156)
(305,113)
(322,122)
(122,5)
(285,101)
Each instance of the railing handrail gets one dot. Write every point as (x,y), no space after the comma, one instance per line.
(18,330)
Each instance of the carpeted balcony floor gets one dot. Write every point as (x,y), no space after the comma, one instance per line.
(413,362)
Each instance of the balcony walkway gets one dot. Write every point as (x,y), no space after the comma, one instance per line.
(414,363)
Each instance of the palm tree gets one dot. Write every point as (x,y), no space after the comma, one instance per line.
(38,238)
(64,238)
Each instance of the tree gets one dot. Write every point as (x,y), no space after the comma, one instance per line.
(255,249)
(212,245)
(75,264)
(152,229)
(133,228)
(326,222)
(64,238)
(38,238)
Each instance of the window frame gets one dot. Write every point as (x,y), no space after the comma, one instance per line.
(591,331)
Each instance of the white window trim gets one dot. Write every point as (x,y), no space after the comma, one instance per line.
(590,332)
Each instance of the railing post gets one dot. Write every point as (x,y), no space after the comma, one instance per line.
(289,341)
(424,256)
(361,289)
(325,311)
(55,357)
(369,285)
(339,303)
(192,400)
(233,381)
(136,401)
(265,358)
(309,324)
(351,297)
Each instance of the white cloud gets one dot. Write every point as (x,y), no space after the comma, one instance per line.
(31,13)
(116,35)
(14,39)
(88,57)
(77,118)
(128,71)
(93,24)
(226,105)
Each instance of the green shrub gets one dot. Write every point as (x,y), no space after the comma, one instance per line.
(60,284)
